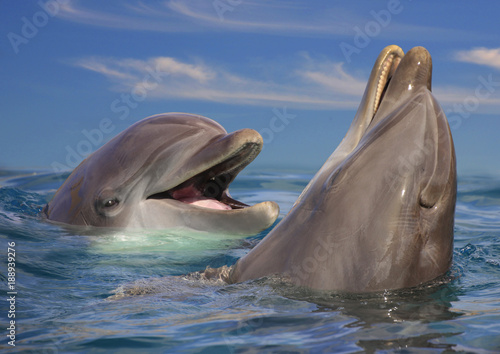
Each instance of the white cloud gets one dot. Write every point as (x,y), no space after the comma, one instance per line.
(332,76)
(196,72)
(129,70)
(276,17)
(100,66)
(127,16)
(202,15)
(481,56)
(311,84)
(465,101)
(314,85)
(255,16)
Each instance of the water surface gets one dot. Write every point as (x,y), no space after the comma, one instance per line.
(64,282)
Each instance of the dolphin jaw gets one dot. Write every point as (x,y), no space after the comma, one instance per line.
(209,189)
(386,71)
(414,70)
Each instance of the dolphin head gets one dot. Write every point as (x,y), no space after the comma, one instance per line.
(396,190)
(166,171)
(379,213)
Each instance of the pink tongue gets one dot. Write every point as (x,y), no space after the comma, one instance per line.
(191,195)
(206,203)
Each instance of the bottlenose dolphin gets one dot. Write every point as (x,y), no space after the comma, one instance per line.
(166,171)
(379,213)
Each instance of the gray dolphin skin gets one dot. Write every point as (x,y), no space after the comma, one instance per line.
(166,171)
(379,213)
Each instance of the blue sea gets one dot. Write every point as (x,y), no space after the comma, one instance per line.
(125,291)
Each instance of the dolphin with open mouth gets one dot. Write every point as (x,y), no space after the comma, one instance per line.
(379,214)
(166,171)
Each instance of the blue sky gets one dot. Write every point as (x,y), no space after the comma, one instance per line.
(76,73)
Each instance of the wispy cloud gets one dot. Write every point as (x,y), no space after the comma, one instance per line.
(480,97)
(332,76)
(276,17)
(314,84)
(311,84)
(260,16)
(195,15)
(132,15)
(449,96)
(482,56)
(199,73)
(102,67)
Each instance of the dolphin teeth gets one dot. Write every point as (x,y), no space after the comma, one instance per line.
(395,65)
(387,71)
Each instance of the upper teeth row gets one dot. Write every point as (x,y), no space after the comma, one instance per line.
(382,81)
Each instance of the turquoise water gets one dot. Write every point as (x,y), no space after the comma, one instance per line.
(70,287)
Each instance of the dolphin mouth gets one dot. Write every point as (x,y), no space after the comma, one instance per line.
(209,189)
(385,73)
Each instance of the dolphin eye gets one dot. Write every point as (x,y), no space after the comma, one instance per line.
(110,203)
(107,203)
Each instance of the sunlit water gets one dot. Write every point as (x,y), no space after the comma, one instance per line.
(68,285)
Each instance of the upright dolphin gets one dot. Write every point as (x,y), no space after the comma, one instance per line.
(379,214)
(166,171)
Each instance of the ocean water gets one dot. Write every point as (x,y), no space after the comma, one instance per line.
(71,290)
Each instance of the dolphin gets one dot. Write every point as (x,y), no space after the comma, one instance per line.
(166,171)
(379,213)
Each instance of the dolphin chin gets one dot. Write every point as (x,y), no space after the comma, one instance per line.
(379,213)
(166,171)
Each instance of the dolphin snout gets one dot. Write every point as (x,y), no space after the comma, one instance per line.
(416,69)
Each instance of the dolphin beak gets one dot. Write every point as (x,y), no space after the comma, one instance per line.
(388,61)
(383,70)
(197,195)
(221,162)
(412,72)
